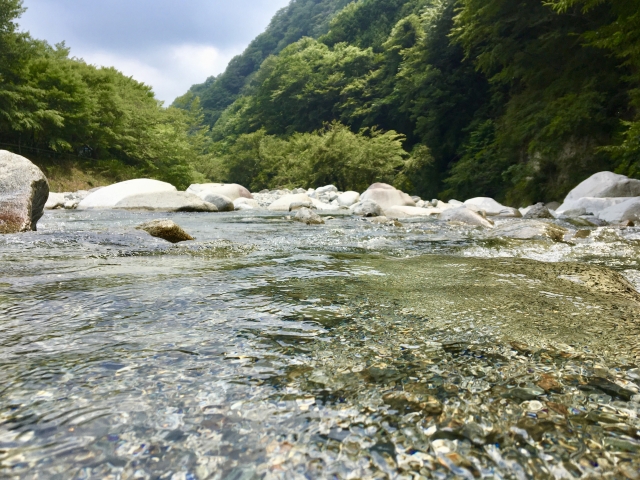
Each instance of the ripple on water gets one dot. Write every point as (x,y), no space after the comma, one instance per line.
(269,349)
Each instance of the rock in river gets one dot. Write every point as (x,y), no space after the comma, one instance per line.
(222,202)
(24,190)
(491,207)
(166,202)
(165,229)
(232,191)
(284,202)
(538,211)
(464,215)
(108,197)
(349,198)
(627,211)
(530,230)
(367,208)
(387,196)
(308,216)
(605,184)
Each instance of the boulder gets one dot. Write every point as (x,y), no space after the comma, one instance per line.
(243,203)
(492,208)
(403,212)
(627,211)
(325,189)
(320,205)
(232,191)
(348,198)
(537,211)
(366,208)
(298,205)
(308,216)
(222,203)
(166,202)
(387,196)
(530,230)
(282,204)
(455,203)
(587,206)
(108,197)
(24,191)
(165,229)
(464,215)
(55,200)
(605,184)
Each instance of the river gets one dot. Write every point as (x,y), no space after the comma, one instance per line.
(271,349)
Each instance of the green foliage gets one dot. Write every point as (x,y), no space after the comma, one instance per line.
(110,123)
(331,155)
(302,18)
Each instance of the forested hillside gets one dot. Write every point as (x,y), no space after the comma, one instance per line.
(302,18)
(515,99)
(73,118)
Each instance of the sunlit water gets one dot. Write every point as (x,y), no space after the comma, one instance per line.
(272,349)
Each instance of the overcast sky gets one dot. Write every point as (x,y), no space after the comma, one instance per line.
(168,44)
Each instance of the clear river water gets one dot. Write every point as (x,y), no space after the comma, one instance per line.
(271,349)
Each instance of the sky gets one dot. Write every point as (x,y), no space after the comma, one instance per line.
(168,44)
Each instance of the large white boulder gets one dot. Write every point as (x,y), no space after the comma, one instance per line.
(491,207)
(166,202)
(387,196)
(232,191)
(587,206)
(23,193)
(109,197)
(243,203)
(349,198)
(605,184)
(628,210)
(404,212)
(282,204)
(464,215)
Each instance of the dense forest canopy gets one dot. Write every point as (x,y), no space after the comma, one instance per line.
(516,99)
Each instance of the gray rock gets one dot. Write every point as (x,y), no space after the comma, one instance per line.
(627,211)
(492,208)
(308,216)
(243,203)
(553,205)
(232,191)
(298,205)
(539,210)
(367,208)
(530,230)
(165,229)
(348,198)
(605,184)
(222,203)
(464,215)
(387,196)
(587,206)
(325,189)
(55,200)
(24,191)
(109,197)
(166,202)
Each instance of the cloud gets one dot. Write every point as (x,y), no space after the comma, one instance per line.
(170,71)
(168,44)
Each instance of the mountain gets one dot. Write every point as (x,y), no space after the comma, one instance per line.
(301,18)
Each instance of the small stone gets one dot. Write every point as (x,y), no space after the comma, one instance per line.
(165,229)
(367,208)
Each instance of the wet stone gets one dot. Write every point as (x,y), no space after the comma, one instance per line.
(165,229)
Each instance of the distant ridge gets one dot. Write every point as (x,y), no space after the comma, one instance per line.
(301,18)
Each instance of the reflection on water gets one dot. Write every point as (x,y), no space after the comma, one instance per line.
(271,349)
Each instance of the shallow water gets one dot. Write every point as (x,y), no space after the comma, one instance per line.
(269,349)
